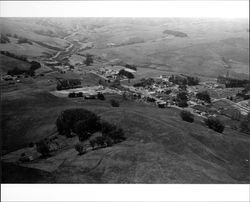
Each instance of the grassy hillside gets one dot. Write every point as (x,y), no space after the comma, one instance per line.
(160,147)
(35,32)
(209,43)
(9,63)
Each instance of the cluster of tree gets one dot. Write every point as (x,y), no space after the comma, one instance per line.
(192,81)
(19,57)
(215,124)
(31,71)
(182,99)
(68,84)
(4,39)
(24,40)
(84,123)
(125,73)
(231,82)
(204,96)
(187,116)
(79,121)
(184,80)
(133,67)
(111,134)
(144,82)
(114,103)
(73,94)
(89,60)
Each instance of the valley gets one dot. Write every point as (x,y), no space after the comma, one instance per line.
(138,74)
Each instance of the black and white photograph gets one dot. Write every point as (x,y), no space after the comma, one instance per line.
(125,96)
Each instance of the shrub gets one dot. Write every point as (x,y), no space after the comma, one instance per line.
(182,103)
(84,128)
(80,94)
(112,131)
(100,96)
(101,141)
(114,103)
(204,96)
(43,148)
(24,40)
(125,73)
(89,60)
(80,148)
(31,144)
(214,124)
(187,116)
(66,121)
(63,84)
(71,95)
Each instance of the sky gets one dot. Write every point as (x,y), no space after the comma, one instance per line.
(208,9)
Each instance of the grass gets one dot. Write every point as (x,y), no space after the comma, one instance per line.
(160,147)
(8,63)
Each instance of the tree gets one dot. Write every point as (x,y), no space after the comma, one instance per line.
(133,67)
(85,128)
(114,103)
(80,148)
(204,96)
(192,81)
(215,124)
(67,120)
(112,131)
(43,148)
(181,99)
(100,96)
(187,116)
(89,60)
(125,73)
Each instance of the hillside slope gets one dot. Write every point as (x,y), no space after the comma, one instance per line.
(160,148)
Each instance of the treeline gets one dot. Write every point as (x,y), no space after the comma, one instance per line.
(184,80)
(133,67)
(231,82)
(19,57)
(31,71)
(64,84)
(125,73)
(24,40)
(144,82)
